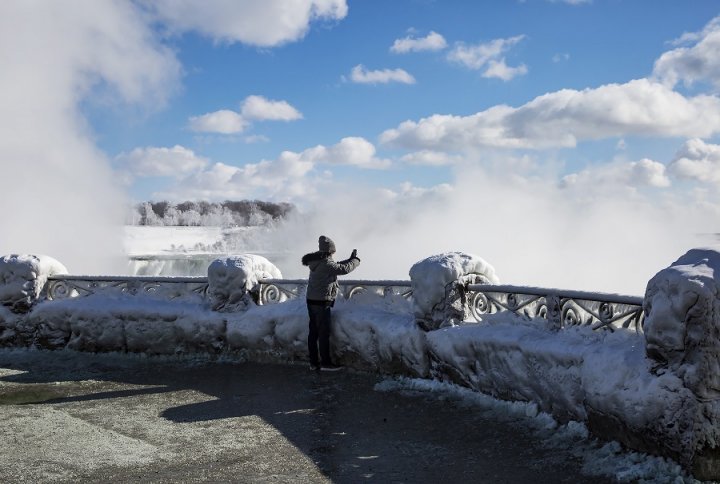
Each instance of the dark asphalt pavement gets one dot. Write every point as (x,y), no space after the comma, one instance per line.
(71,417)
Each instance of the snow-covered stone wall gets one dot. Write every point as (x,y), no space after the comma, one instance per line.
(22,278)
(654,391)
(233,280)
(438,285)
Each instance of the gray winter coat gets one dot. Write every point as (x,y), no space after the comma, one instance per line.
(322,284)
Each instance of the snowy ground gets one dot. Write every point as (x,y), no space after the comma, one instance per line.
(71,416)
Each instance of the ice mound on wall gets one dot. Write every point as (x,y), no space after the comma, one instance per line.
(22,278)
(437,301)
(682,333)
(366,334)
(230,280)
(682,320)
(136,324)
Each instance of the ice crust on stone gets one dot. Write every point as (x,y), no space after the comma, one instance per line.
(231,278)
(22,278)
(682,317)
(431,276)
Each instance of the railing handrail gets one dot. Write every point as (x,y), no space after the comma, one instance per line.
(529,290)
(342,282)
(69,277)
(562,293)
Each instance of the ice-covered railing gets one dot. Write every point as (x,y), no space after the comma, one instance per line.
(562,308)
(169,288)
(270,291)
(273,291)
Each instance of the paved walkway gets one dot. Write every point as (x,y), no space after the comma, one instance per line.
(69,417)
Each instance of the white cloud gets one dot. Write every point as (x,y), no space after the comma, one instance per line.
(177,162)
(223,122)
(432,42)
(265,24)
(699,62)
(55,57)
(349,151)
(500,70)
(409,193)
(430,158)
(256,138)
(633,174)
(290,176)
(253,108)
(697,160)
(559,57)
(362,76)
(488,55)
(562,118)
(260,108)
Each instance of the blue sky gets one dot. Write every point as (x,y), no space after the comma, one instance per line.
(552,45)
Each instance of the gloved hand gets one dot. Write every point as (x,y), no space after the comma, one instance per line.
(354,255)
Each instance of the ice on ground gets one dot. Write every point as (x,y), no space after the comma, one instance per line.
(599,458)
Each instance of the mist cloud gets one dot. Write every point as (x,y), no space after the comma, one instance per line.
(58,192)
(531,230)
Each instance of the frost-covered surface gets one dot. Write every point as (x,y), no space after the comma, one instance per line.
(22,278)
(682,329)
(230,279)
(682,311)
(599,377)
(659,399)
(434,300)
(598,458)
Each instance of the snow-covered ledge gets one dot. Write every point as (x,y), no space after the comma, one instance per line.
(438,286)
(23,278)
(653,391)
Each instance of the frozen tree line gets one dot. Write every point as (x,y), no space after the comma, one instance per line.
(203,213)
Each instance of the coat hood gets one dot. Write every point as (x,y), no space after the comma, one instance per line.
(308,259)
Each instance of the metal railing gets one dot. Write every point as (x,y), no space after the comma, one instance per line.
(562,308)
(277,290)
(169,288)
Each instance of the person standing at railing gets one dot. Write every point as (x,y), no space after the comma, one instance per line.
(322,289)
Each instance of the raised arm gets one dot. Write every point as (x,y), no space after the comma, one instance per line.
(346,266)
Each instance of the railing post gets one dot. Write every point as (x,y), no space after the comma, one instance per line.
(554,310)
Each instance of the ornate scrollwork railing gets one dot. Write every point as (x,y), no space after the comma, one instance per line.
(561,308)
(278,290)
(167,288)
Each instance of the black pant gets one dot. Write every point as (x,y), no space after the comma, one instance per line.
(319,334)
